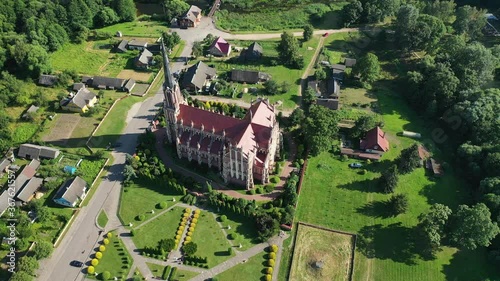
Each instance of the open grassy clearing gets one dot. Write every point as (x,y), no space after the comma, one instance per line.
(102,219)
(266,17)
(248,271)
(331,249)
(183,275)
(137,28)
(141,197)
(162,227)
(82,58)
(279,73)
(210,240)
(115,259)
(242,226)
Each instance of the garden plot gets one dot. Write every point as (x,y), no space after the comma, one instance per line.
(62,130)
(321,254)
(136,75)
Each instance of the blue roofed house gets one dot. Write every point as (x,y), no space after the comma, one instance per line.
(71,192)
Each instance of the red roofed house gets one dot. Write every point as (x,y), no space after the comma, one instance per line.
(220,48)
(375,141)
(243,150)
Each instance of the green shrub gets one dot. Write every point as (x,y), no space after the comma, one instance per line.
(275,179)
(233,236)
(94,262)
(163,205)
(90,269)
(132,232)
(270,262)
(98,255)
(271,256)
(301,162)
(269,188)
(362,172)
(223,218)
(106,275)
(102,248)
(259,190)
(269,270)
(105,241)
(269,277)
(174,271)
(166,272)
(141,217)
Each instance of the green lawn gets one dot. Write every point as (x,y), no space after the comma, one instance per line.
(137,29)
(162,227)
(156,269)
(277,18)
(248,271)
(115,259)
(184,275)
(356,205)
(142,197)
(210,240)
(102,219)
(279,73)
(242,226)
(82,58)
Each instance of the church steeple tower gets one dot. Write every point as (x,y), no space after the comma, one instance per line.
(172,97)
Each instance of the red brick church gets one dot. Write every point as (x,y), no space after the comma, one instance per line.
(243,150)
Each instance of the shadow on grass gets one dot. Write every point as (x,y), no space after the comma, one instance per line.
(376,209)
(221,254)
(470,265)
(367,185)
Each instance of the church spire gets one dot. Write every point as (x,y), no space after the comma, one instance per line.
(168,76)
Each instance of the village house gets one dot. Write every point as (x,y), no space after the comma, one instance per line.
(219,48)
(330,97)
(374,141)
(81,102)
(144,59)
(249,76)
(32,151)
(121,47)
(103,83)
(242,150)
(71,192)
(252,53)
(191,18)
(137,45)
(197,76)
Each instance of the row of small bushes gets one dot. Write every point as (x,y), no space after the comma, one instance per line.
(98,255)
(268,188)
(192,226)
(271,257)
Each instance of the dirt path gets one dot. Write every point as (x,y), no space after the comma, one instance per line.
(310,66)
(263,36)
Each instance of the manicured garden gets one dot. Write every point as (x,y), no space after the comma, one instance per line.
(183,275)
(162,227)
(110,259)
(248,271)
(242,229)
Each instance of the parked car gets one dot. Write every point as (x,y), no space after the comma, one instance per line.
(326,34)
(355,165)
(76,263)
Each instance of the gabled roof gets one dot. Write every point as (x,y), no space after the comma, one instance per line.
(248,76)
(31,109)
(122,46)
(349,62)
(31,187)
(71,190)
(145,56)
(4,164)
(255,48)
(197,75)
(137,43)
(78,86)
(129,85)
(192,14)
(36,151)
(221,45)
(332,88)
(82,97)
(108,82)
(375,138)
(47,80)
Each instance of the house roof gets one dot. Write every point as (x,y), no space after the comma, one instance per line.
(27,173)
(349,62)
(71,190)
(31,187)
(375,137)
(137,43)
(221,45)
(4,164)
(255,47)
(197,75)
(36,151)
(338,67)
(154,48)
(122,46)
(192,14)
(82,97)
(108,82)
(331,103)
(129,85)
(86,79)
(338,73)
(78,86)
(248,76)
(145,56)
(31,109)
(47,80)
(332,88)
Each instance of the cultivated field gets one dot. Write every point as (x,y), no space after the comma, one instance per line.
(321,254)
(136,75)
(61,131)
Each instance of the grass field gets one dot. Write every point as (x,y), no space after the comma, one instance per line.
(183,275)
(137,29)
(248,271)
(242,226)
(102,219)
(115,259)
(210,240)
(162,227)
(279,73)
(141,197)
(84,58)
(282,17)
(314,245)
(156,269)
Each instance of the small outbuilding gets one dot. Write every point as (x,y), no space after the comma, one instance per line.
(47,80)
(33,151)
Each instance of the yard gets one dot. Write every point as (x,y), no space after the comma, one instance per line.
(115,259)
(321,254)
(243,227)
(162,227)
(141,197)
(210,240)
(248,271)
(150,29)
(279,73)
(279,17)
(84,58)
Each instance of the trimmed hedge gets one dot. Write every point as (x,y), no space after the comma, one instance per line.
(166,272)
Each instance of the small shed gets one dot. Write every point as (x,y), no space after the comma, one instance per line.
(70,170)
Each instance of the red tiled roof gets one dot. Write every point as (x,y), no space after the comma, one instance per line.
(375,140)
(222,45)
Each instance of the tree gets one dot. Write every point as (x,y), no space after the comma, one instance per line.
(166,245)
(432,225)
(472,227)
(266,226)
(288,51)
(469,21)
(125,9)
(399,203)
(351,13)
(442,9)
(406,21)
(106,275)
(375,11)
(321,129)
(174,8)
(106,16)
(490,185)
(308,98)
(409,159)
(21,276)
(28,265)
(362,125)
(171,39)
(297,117)
(129,173)
(190,248)
(285,87)
(320,74)
(368,68)
(197,49)
(389,179)
(43,249)
(308,32)
(271,87)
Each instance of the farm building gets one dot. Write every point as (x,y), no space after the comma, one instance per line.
(122,46)
(101,82)
(47,80)
(137,45)
(28,190)
(144,59)
(253,52)
(32,151)
(249,76)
